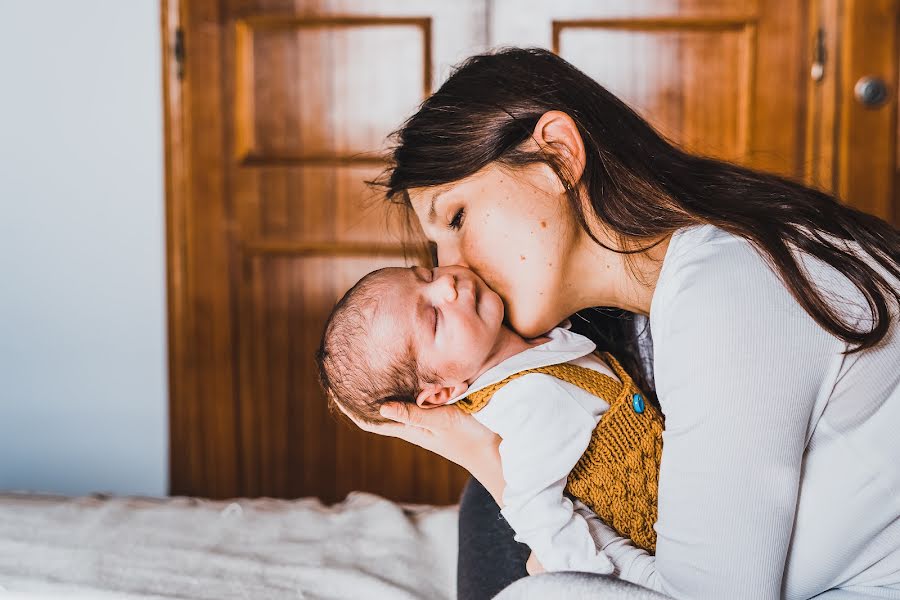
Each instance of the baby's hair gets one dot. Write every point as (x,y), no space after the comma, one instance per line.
(346,372)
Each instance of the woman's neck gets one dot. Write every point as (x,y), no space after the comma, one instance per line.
(600,277)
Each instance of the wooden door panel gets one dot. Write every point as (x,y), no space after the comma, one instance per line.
(287,208)
(852,146)
(867,139)
(691,78)
(299,97)
(288,109)
(720,78)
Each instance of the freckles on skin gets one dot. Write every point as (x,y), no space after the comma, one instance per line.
(543,224)
(522,257)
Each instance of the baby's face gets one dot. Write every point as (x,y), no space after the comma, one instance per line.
(448,314)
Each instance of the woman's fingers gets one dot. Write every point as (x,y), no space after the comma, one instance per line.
(389,429)
(411,414)
(446,430)
(433,420)
(399,429)
(358,423)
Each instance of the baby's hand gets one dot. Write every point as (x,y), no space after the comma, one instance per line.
(533,566)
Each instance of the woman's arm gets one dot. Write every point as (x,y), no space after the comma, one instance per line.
(740,368)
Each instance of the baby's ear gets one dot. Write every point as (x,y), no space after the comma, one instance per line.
(435,394)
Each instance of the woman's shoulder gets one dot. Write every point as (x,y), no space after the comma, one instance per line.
(706,268)
(711,269)
(709,244)
(718,303)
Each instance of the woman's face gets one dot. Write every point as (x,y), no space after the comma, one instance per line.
(515,230)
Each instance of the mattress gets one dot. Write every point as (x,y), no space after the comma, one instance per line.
(127,547)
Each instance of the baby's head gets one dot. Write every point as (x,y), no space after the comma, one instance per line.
(410,335)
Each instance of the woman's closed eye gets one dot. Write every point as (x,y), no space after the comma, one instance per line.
(457,220)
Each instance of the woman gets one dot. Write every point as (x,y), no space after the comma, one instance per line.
(773,311)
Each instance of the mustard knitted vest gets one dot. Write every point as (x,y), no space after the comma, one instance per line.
(618,474)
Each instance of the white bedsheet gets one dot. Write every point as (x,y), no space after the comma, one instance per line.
(129,548)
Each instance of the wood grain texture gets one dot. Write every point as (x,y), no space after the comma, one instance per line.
(852,148)
(282,115)
(820,164)
(725,79)
(866,138)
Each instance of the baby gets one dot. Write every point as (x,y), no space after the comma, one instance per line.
(572,423)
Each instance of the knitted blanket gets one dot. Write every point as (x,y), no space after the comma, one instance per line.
(265,549)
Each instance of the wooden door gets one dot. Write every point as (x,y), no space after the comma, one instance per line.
(853,131)
(278,113)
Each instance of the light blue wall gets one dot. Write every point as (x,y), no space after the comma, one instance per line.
(83,393)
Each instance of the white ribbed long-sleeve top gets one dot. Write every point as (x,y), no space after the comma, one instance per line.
(780,473)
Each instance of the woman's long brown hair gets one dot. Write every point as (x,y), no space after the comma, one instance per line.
(640,185)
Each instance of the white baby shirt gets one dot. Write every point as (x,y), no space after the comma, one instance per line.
(545,425)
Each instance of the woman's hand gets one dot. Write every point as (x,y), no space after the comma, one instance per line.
(448,432)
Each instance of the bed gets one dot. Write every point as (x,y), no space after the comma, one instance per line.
(262,549)
(129,548)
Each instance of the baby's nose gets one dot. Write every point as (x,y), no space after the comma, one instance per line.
(447,287)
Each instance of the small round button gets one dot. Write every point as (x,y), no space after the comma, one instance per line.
(637,401)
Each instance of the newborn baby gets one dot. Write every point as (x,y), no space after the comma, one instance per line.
(435,337)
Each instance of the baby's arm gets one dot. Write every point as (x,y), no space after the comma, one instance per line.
(545,431)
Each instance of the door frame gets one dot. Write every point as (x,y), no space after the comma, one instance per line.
(176,202)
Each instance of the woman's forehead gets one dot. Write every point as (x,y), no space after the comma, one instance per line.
(426,195)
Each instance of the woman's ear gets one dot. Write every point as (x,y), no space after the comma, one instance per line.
(558,131)
(434,394)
